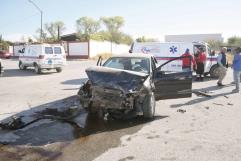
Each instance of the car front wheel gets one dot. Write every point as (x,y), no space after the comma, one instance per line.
(149,106)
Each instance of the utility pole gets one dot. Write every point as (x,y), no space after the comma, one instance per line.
(41,19)
(58,33)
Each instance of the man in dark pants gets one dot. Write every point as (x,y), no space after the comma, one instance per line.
(222,63)
(201,60)
(237,69)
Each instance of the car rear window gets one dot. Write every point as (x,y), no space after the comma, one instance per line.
(57,50)
(48,50)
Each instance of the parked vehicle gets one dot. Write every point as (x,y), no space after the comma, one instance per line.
(42,56)
(4,54)
(132,83)
(1,68)
(169,50)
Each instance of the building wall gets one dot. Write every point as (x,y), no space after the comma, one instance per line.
(97,47)
(78,49)
(193,38)
(85,50)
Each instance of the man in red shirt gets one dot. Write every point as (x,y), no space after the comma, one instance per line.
(201,60)
(186,64)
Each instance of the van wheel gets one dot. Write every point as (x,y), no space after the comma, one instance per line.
(149,106)
(37,69)
(1,69)
(214,72)
(59,70)
(21,66)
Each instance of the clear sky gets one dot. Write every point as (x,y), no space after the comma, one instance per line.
(152,18)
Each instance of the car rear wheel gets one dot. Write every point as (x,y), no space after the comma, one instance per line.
(149,106)
(21,66)
(59,70)
(37,69)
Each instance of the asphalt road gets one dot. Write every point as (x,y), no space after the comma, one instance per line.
(197,128)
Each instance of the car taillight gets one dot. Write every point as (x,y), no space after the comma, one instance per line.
(41,56)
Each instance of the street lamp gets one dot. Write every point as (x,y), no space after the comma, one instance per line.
(41,19)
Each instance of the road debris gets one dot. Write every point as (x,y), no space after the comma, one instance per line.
(13,123)
(68,111)
(200,93)
(181,110)
(207,108)
(230,104)
(226,96)
(219,104)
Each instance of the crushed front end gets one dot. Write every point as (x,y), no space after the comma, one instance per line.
(112,89)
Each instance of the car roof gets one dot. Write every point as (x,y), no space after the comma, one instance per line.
(133,55)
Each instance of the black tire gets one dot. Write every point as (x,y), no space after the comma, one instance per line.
(214,72)
(21,66)
(37,69)
(149,106)
(1,69)
(59,70)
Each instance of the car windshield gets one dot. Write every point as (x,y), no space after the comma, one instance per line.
(129,63)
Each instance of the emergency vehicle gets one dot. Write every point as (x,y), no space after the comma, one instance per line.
(168,50)
(42,56)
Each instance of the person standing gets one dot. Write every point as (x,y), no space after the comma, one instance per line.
(201,60)
(222,63)
(237,68)
(186,64)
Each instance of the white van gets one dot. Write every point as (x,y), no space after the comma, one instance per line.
(169,50)
(42,56)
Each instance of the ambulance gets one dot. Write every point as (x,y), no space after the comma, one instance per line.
(42,57)
(168,50)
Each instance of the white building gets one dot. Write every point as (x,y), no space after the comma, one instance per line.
(193,38)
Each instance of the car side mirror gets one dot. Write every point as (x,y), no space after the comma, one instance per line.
(99,62)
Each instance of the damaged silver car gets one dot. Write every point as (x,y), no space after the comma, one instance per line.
(132,83)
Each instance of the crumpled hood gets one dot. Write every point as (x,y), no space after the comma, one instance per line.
(126,81)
